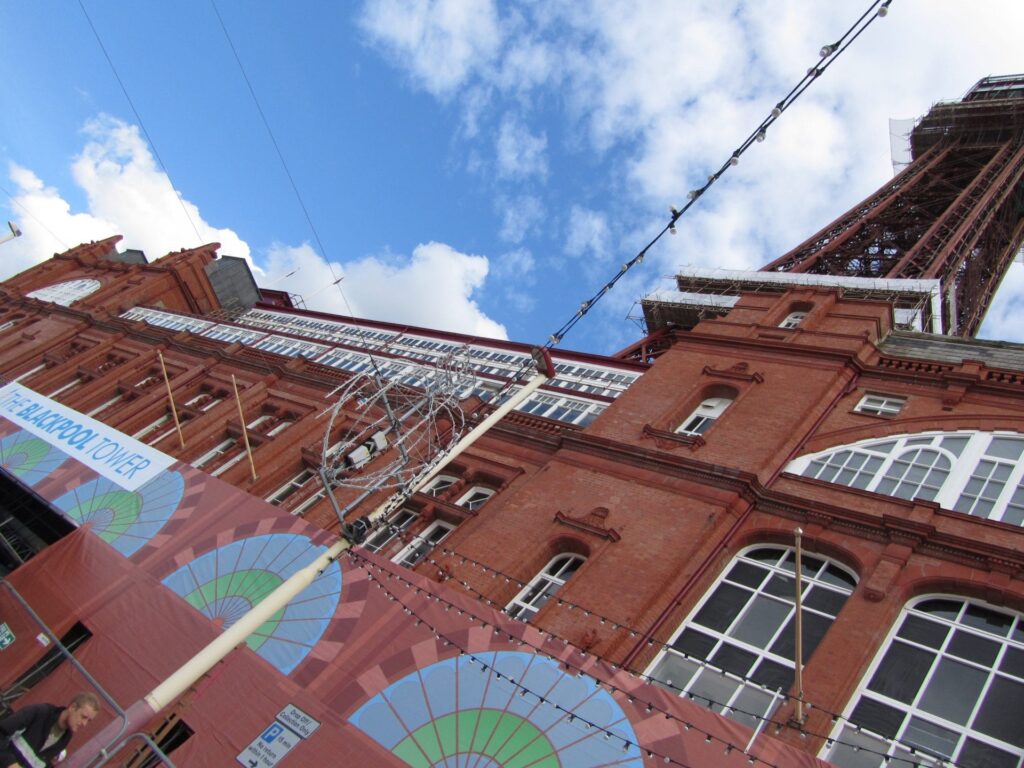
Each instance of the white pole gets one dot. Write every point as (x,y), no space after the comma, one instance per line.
(799,625)
(139,713)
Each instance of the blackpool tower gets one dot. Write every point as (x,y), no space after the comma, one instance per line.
(936,240)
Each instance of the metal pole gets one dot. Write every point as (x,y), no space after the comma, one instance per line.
(799,624)
(170,398)
(245,431)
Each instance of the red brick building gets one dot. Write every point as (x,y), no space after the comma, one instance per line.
(673,510)
(652,497)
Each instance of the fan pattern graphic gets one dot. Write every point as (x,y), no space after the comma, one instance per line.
(28,457)
(124,519)
(465,712)
(225,583)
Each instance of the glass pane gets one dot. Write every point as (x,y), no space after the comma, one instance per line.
(675,670)
(825,600)
(978,755)
(901,672)
(760,623)
(713,689)
(733,659)
(751,705)
(765,554)
(747,574)
(922,631)
(973,648)
(694,643)
(953,690)
(815,628)
(954,445)
(990,621)
(773,675)
(866,756)
(934,738)
(724,605)
(838,576)
(1013,662)
(877,717)
(1005,448)
(781,586)
(1000,713)
(947,609)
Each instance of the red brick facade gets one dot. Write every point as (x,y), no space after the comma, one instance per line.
(658,515)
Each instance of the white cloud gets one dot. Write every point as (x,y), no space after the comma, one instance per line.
(667,90)
(439,42)
(128,194)
(515,275)
(433,289)
(519,216)
(519,152)
(588,235)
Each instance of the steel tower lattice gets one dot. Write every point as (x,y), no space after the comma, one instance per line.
(954,214)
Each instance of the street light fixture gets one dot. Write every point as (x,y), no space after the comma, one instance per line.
(15,232)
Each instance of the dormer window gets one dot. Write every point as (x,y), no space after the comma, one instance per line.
(439,485)
(881,405)
(700,421)
(475,497)
(793,319)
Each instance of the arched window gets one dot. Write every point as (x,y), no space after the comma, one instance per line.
(66,293)
(736,651)
(550,579)
(978,473)
(475,497)
(793,319)
(700,421)
(440,484)
(949,683)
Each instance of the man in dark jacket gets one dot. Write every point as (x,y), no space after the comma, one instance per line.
(35,736)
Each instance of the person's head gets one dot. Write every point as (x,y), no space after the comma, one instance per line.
(82,709)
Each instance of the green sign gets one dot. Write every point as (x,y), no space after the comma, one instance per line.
(6,636)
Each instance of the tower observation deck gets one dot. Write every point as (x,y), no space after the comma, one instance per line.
(936,239)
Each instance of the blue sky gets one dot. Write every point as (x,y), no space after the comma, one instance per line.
(474,166)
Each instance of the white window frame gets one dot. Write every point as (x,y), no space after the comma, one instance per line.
(211,455)
(152,427)
(440,484)
(103,406)
(293,485)
(280,427)
(699,677)
(242,453)
(304,506)
(793,319)
(880,405)
(70,385)
(551,578)
(847,735)
(214,401)
(66,293)
(466,500)
(169,431)
(866,463)
(29,372)
(704,416)
(395,524)
(423,543)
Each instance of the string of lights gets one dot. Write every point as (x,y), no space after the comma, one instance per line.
(615,625)
(828,55)
(138,117)
(729,747)
(778,726)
